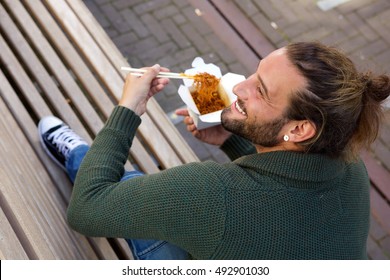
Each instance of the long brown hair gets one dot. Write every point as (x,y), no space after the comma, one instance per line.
(343,104)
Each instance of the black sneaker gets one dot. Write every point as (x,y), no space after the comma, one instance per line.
(58,139)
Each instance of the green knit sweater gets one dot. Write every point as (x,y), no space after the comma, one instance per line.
(277,205)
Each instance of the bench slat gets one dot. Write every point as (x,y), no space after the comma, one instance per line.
(109,76)
(42,77)
(98,59)
(100,245)
(25,122)
(72,58)
(91,119)
(55,65)
(30,200)
(155,112)
(10,247)
(30,129)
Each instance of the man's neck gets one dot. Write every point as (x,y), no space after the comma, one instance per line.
(284,146)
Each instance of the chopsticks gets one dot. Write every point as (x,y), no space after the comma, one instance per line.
(169,75)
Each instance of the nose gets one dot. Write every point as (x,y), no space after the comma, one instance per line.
(238,89)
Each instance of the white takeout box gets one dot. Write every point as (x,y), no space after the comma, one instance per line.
(228,81)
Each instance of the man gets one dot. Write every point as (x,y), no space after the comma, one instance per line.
(295,188)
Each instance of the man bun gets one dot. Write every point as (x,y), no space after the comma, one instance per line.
(377,88)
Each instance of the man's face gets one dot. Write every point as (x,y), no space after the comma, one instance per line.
(262,99)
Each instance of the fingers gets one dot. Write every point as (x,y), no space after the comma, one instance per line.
(182,112)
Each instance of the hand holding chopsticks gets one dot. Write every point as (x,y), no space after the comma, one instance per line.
(169,75)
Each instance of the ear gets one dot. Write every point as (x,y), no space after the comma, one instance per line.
(301,131)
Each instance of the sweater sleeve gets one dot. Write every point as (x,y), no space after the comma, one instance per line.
(236,146)
(177,205)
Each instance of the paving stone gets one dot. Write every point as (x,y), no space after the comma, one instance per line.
(134,22)
(374,251)
(380,24)
(353,6)
(382,61)
(222,51)
(152,55)
(334,38)
(376,230)
(197,40)
(352,44)
(383,153)
(268,9)
(296,29)
(95,10)
(248,7)
(373,48)
(179,19)
(198,23)
(283,7)
(166,12)
(149,6)
(314,34)
(357,24)
(125,39)
(176,34)
(155,28)
(264,24)
(238,68)
(100,2)
(180,3)
(121,4)
(373,8)
(385,245)
(115,18)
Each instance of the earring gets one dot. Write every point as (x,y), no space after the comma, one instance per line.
(286,138)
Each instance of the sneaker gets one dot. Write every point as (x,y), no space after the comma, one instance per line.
(57,139)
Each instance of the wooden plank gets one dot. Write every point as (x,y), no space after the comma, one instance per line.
(30,130)
(62,74)
(31,61)
(70,56)
(252,36)
(109,75)
(155,112)
(29,199)
(24,119)
(95,91)
(10,247)
(93,52)
(55,65)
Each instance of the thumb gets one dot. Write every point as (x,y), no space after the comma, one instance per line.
(151,73)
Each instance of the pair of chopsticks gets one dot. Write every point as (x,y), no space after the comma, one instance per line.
(169,75)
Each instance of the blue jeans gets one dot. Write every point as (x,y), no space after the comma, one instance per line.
(142,249)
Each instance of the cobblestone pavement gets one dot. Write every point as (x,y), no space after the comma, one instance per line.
(174,32)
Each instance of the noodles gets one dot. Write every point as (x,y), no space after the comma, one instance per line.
(206,95)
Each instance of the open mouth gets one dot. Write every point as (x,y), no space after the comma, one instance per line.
(239,109)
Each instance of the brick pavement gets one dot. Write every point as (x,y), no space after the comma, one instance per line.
(235,34)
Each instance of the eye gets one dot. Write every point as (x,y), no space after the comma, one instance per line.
(259,90)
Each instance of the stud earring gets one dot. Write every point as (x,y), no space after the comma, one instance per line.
(286,138)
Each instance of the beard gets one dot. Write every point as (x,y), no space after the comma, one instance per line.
(265,134)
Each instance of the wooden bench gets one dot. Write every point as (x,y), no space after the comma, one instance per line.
(56,60)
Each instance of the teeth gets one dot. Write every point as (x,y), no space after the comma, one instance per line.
(239,109)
